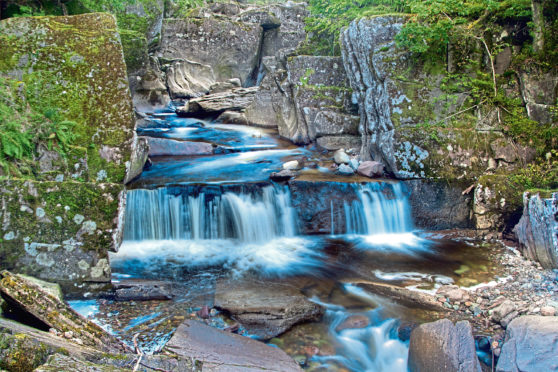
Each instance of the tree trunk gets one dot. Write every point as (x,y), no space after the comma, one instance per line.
(538,20)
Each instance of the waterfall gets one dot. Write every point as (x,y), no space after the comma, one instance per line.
(378,209)
(161,214)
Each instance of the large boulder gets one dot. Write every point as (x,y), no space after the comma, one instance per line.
(443,346)
(233,100)
(223,351)
(170,147)
(60,223)
(265,309)
(537,230)
(531,344)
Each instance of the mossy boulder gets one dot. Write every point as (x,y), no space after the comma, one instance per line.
(60,200)
(75,66)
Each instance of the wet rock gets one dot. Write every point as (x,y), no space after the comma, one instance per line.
(30,298)
(291,165)
(345,170)
(224,351)
(234,100)
(443,346)
(371,169)
(142,290)
(403,295)
(265,309)
(354,321)
(537,229)
(283,175)
(170,147)
(531,344)
(187,79)
(341,157)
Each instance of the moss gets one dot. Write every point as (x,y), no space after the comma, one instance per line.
(21,353)
(86,85)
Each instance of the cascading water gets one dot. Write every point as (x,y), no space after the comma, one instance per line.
(379,209)
(160,214)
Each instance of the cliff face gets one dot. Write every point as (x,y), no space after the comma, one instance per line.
(60,206)
(409,121)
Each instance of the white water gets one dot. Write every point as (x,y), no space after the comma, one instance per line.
(380,209)
(160,215)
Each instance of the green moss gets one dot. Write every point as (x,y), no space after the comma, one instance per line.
(84,85)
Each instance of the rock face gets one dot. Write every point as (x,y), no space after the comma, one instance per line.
(187,79)
(229,47)
(266,309)
(531,344)
(442,346)
(438,205)
(167,147)
(391,108)
(32,299)
(68,212)
(223,351)
(307,98)
(537,230)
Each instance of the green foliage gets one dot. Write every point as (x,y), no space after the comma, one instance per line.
(327,18)
(23,129)
(542,174)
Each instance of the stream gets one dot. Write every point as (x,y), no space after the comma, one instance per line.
(217,221)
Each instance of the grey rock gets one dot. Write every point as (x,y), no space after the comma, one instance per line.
(223,86)
(500,311)
(140,152)
(234,100)
(453,293)
(354,163)
(291,165)
(537,230)
(531,344)
(265,309)
(187,79)
(169,147)
(362,42)
(332,143)
(223,351)
(345,170)
(371,169)
(232,117)
(229,47)
(283,175)
(331,123)
(443,346)
(142,290)
(341,157)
